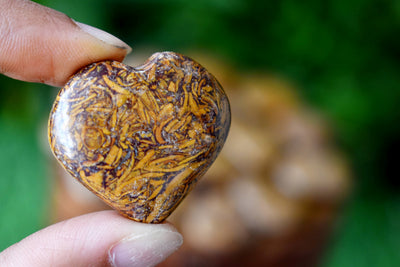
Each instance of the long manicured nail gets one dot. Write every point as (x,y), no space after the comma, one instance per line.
(145,249)
(104,36)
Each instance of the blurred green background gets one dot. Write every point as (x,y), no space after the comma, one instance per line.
(344,55)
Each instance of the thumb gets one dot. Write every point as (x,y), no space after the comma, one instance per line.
(97,239)
(39,44)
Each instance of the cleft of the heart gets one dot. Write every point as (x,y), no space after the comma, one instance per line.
(140,138)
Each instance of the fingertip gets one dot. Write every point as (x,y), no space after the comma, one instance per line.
(42,45)
(96,239)
(83,45)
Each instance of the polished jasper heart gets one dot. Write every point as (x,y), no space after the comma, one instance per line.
(140,138)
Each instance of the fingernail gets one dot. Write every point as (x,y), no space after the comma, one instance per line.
(104,36)
(146,249)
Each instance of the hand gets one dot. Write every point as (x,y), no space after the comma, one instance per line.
(97,239)
(38,44)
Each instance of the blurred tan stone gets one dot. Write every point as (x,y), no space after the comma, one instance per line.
(313,176)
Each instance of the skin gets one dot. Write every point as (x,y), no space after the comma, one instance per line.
(38,44)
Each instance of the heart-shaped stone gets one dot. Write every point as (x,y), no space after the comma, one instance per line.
(140,138)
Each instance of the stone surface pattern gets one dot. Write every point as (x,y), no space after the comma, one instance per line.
(140,138)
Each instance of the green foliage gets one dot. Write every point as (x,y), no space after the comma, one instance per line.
(23,181)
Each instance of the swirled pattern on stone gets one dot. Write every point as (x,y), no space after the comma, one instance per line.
(140,138)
